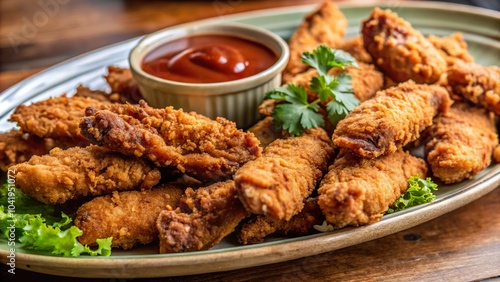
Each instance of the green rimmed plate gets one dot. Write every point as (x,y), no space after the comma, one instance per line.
(480,29)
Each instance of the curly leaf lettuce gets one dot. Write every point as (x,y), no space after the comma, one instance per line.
(37,228)
(419,192)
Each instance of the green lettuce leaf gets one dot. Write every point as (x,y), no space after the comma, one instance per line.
(419,192)
(38,227)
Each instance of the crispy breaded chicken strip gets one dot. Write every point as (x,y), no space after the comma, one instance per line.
(390,120)
(56,117)
(358,191)
(259,227)
(356,48)
(204,217)
(17,147)
(123,85)
(461,143)
(266,131)
(76,172)
(85,92)
(205,149)
(453,47)
(496,154)
(401,51)
(324,26)
(476,83)
(277,183)
(129,217)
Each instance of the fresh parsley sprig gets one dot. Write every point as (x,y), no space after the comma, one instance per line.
(295,113)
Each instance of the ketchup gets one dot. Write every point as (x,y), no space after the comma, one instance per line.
(208,58)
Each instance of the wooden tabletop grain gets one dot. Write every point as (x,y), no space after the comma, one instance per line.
(463,245)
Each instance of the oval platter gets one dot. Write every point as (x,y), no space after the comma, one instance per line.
(480,30)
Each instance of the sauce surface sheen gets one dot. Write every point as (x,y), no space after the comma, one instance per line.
(208,58)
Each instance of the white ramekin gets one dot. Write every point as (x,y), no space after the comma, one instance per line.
(236,100)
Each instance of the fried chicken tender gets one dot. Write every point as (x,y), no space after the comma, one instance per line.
(401,51)
(204,217)
(76,172)
(496,154)
(259,227)
(356,47)
(453,48)
(277,183)
(209,150)
(17,147)
(461,143)
(390,120)
(476,83)
(85,92)
(324,26)
(56,118)
(123,85)
(128,217)
(266,131)
(358,191)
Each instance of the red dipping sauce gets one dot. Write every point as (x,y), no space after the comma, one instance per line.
(208,58)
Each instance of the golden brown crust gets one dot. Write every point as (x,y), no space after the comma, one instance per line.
(128,217)
(476,83)
(401,51)
(453,48)
(123,86)
(77,172)
(358,191)
(266,131)
(17,147)
(209,150)
(356,48)
(461,143)
(277,183)
(57,117)
(324,26)
(257,228)
(204,217)
(392,119)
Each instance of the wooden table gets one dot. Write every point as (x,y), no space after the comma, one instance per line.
(462,245)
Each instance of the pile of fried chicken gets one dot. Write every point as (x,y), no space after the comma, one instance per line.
(162,174)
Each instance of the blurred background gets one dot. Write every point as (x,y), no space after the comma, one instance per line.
(38,34)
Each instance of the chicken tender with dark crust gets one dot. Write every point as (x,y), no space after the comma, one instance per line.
(395,117)
(77,172)
(129,217)
(209,150)
(358,191)
(461,143)
(277,183)
(56,118)
(204,217)
(259,227)
(325,26)
(401,51)
(476,83)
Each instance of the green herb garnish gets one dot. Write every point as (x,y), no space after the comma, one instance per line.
(36,226)
(295,113)
(419,192)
